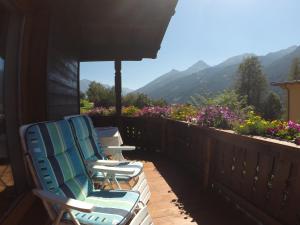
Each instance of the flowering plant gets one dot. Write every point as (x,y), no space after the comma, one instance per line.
(102,111)
(253,125)
(284,130)
(130,111)
(155,111)
(183,112)
(215,116)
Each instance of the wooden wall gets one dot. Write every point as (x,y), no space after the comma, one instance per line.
(50,63)
(63,62)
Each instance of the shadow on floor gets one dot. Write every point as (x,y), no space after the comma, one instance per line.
(191,203)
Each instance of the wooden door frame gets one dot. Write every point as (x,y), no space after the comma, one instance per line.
(11,95)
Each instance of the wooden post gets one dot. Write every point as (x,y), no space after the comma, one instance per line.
(207,162)
(118,87)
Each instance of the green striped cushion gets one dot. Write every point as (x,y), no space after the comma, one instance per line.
(56,159)
(117,203)
(87,138)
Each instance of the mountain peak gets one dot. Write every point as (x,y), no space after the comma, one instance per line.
(200,65)
(174,71)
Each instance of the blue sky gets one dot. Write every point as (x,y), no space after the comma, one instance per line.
(210,30)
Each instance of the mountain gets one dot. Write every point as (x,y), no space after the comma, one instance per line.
(178,87)
(171,76)
(84,86)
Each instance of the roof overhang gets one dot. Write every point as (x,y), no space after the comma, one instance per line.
(123,29)
(110,30)
(286,84)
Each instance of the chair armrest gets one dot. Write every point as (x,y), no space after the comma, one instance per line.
(105,162)
(114,170)
(66,203)
(118,148)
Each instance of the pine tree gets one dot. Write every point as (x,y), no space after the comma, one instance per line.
(251,82)
(294,73)
(272,107)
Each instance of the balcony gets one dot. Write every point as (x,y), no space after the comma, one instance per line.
(177,196)
(208,176)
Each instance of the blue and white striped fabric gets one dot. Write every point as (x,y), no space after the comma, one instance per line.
(60,170)
(91,149)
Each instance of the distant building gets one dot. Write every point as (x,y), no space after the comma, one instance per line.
(293,92)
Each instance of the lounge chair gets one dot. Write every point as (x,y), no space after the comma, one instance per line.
(64,186)
(92,153)
(114,151)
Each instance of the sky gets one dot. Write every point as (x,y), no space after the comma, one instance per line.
(212,31)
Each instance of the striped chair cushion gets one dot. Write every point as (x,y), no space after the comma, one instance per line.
(56,159)
(90,147)
(87,138)
(113,207)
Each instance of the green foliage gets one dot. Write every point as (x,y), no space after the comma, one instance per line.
(159,102)
(251,82)
(130,111)
(85,105)
(254,125)
(82,95)
(100,95)
(294,73)
(183,112)
(140,100)
(228,98)
(272,108)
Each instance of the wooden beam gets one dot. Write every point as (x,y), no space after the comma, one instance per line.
(118,87)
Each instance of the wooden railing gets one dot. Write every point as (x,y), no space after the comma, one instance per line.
(262,176)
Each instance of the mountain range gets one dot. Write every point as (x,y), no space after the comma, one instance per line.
(200,78)
(85,83)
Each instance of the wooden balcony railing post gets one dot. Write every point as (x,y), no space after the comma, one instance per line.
(207,159)
(163,136)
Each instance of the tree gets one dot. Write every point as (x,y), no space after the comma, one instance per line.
(251,82)
(140,100)
(294,73)
(159,102)
(82,95)
(272,107)
(100,95)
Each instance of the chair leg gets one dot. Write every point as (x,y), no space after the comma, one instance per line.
(58,218)
(117,182)
(76,222)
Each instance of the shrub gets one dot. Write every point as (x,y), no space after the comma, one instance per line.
(228,98)
(155,111)
(216,116)
(130,111)
(102,111)
(183,112)
(254,125)
(284,130)
(85,105)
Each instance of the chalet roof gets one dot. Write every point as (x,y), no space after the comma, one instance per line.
(285,83)
(123,29)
